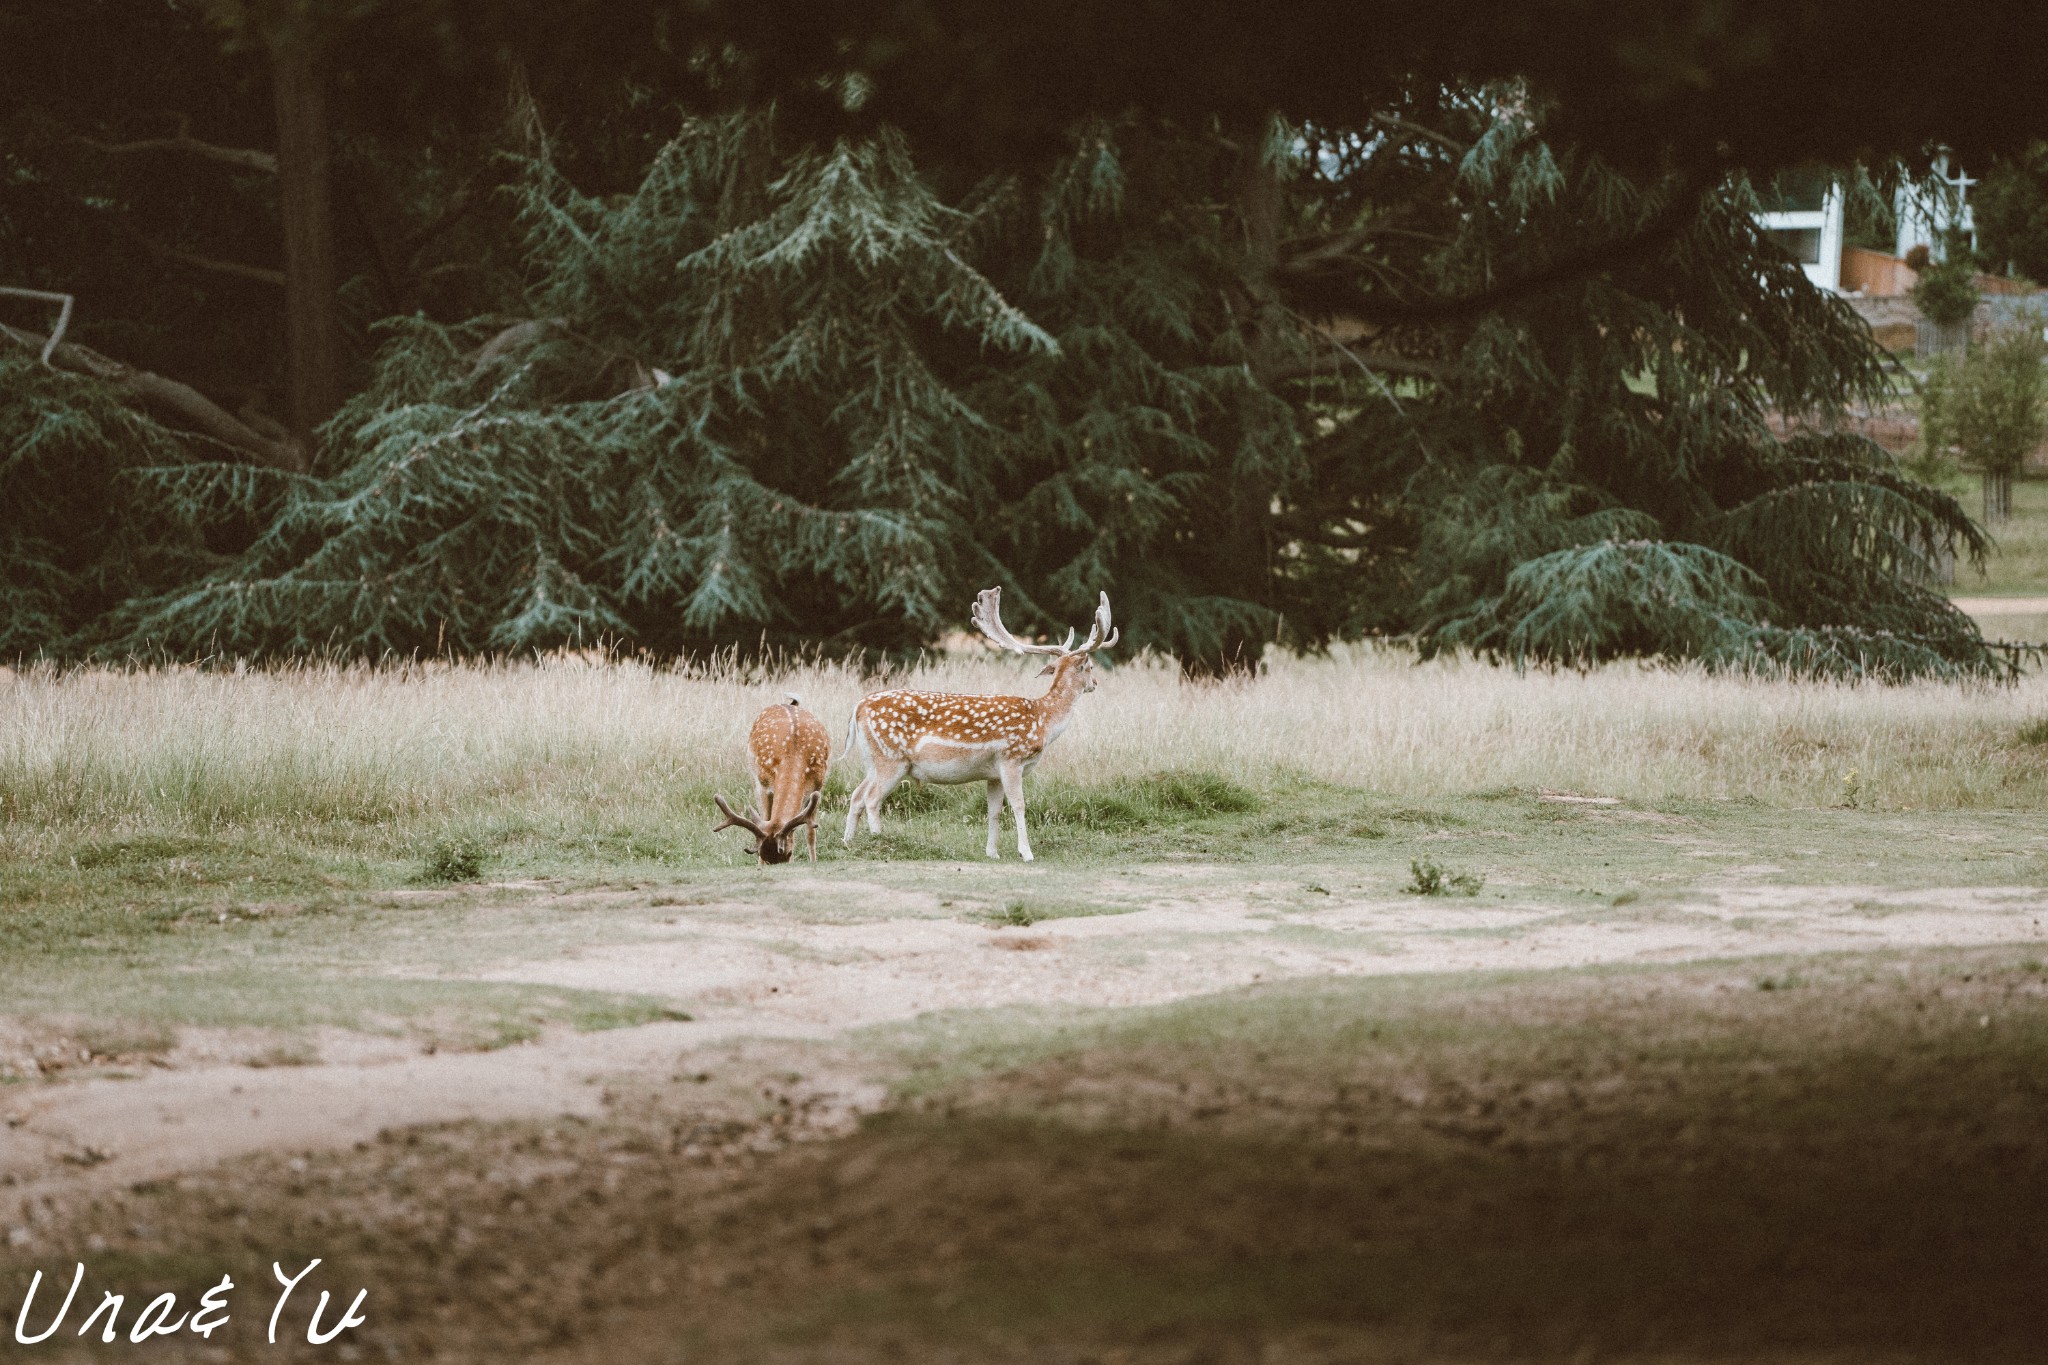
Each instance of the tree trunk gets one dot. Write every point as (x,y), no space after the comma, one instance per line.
(1997,495)
(304,203)
(1262,206)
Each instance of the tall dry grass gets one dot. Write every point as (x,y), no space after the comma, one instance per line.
(183,747)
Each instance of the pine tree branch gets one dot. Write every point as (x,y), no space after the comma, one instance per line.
(1394,123)
(1322,290)
(168,397)
(521,333)
(248,158)
(1335,352)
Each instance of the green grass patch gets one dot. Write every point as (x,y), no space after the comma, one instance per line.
(1024,912)
(899,845)
(1154,801)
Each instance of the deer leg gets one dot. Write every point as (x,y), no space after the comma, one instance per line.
(1013,788)
(811,836)
(881,781)
(995,813)
(853,805)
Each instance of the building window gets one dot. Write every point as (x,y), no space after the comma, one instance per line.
(1803,244)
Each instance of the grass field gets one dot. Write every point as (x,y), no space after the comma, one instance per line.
(296,818)
(1364,1011)
(574,747)
(2018,566)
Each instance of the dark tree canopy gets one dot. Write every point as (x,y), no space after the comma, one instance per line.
(2011,209)
(1284,326)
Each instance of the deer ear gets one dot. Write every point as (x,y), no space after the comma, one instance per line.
(1048,669)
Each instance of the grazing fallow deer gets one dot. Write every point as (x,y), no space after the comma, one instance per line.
(791,752)
(949,737)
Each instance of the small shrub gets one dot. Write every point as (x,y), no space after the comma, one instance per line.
(454,858)
(2035,731)
(1431,878)
(1015,915)
(1946,292)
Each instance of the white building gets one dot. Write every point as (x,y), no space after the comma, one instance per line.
(1928,209)
(1805,218)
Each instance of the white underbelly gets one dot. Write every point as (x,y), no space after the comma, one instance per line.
(944,764)
(948,770)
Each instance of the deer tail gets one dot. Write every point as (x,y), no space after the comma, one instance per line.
(852,736)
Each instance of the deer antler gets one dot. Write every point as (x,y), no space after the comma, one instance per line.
(731,820)
(988,619)
(1102,627)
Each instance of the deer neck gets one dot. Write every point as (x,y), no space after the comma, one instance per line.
(1058,702)
(787,798)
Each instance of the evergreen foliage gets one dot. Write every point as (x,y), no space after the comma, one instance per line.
(731,418)
(1604,467)
(82,531)
(2010,210)
(1145,455)
(1434,376)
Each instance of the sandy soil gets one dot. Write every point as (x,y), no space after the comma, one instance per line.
(2001,606)
(751,971)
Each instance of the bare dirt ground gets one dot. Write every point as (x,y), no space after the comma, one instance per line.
(750,970)
(2002,606)
(1814,1159)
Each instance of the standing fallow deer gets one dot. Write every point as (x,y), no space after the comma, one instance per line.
(791,752)
(949,737)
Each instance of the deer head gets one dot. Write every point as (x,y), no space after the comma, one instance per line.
(773,843)
(988,619)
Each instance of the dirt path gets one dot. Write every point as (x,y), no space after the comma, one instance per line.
(2001,606)
(751,971)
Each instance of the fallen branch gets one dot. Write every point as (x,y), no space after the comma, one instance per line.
(167,397)
(63,313)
